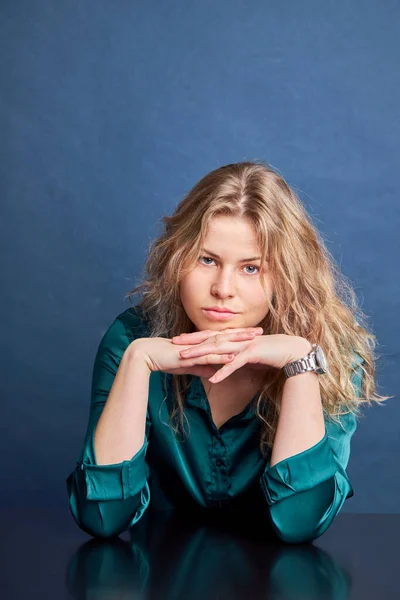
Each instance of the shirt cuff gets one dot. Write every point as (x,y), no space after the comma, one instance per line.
(300,472)
(116,481)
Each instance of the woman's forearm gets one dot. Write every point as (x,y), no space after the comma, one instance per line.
(120,432)
(301,421)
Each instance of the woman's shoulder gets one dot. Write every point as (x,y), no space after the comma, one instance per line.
(126,327)
(135,324)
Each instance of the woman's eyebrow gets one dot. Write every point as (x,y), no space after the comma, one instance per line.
(242,260)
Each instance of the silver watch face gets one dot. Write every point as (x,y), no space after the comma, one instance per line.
(320,359)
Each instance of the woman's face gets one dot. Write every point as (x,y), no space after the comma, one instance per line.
(228,281)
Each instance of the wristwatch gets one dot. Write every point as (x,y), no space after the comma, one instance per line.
(314,361)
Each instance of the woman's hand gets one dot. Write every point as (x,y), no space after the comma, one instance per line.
(264,350)
(163,354)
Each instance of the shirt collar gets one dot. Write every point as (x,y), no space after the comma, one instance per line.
(196,397)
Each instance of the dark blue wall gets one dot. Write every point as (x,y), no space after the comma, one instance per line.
(110,112)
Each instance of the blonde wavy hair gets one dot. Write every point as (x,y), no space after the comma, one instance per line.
(311,299)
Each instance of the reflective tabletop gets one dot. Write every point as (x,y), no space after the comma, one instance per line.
(45,555)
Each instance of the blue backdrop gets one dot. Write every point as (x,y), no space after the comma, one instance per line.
(110,113)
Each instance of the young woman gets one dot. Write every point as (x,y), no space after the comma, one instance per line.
(235,384)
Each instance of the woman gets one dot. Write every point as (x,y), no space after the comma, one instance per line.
(255,419)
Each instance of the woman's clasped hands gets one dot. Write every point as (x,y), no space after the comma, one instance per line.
(238,347)
(203,352)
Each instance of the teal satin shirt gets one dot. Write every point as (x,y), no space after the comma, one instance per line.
(208,471)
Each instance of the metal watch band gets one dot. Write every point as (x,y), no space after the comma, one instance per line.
(301,365)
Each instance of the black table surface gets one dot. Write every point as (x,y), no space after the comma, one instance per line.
(45,555)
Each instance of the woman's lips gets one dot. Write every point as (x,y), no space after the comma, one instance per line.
(218,316)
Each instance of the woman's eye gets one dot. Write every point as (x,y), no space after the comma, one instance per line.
(206,258)
(251,266)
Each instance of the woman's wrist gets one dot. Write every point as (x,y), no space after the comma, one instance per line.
(301,347)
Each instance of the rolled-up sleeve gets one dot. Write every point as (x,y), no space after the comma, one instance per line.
(306,491)
(108,499)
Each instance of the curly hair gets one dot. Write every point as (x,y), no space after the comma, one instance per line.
(311,298)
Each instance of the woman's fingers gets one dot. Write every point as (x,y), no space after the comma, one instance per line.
(205,348)
(207,359)
(200,336)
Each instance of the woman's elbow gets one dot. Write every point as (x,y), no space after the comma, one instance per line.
(89,519)
(295,534)
(94,520)
(97,529)
(305,516)
(108,519)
